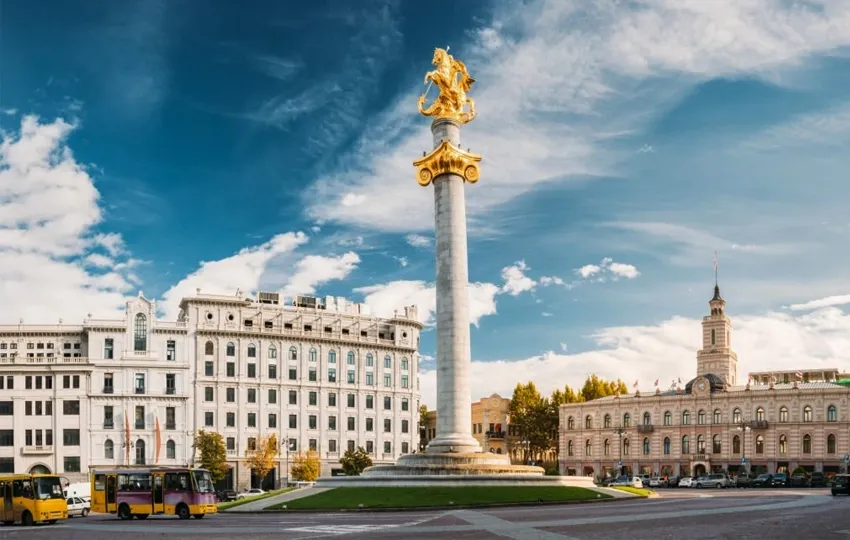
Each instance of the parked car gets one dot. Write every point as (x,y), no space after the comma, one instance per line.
(799,480)
(762,480)
(686,481)
(781,480)
(629,481)
(656,482)
(672,481)
(712,481)
(78,507)
(744,480)
(840,485)
(817,480)
(250,493)
(226,495)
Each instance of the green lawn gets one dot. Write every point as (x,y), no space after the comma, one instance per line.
(635,491)
(393,497)
(246,500)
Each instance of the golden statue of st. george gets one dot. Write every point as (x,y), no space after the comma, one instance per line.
(454,83)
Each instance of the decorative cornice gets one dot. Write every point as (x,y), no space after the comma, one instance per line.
(447,159)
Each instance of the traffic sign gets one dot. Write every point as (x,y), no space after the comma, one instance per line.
(743,461)
(619,464)
(846,457)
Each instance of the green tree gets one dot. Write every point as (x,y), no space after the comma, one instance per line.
(596,387)
(532,417)
(213,454)
(306,467)
(355,461)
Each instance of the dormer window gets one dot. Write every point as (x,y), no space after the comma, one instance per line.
(249,323)
(140,334)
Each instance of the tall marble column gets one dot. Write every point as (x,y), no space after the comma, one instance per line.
(454,415)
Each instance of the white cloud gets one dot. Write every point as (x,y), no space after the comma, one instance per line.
(667,351)
(395,295)
(588,270)
(9,112)
(606,67)
(546,314)
(563,347)
(48,208)
(620,270)
(315,270)
(837,300)
(242,270)
(646,149)
(402,261)
(418,241)
(551,280)
(516,282)
(606,270)
(96,259)
(823,128)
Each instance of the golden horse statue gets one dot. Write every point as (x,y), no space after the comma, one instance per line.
(454,83)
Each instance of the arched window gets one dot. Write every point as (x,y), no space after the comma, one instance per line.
(700,444)
(140,335)
(588,422)
(293,353)
(716,418)
(686,444)
(570,450)
(108,449)
(231,349)
(666,446)
(607,420)
(171,450)
(571,423)
(831,414)
(140,452)
(588,448)
(350,358)
(807,444)
(736,445)
(701,417)
(783,414)
(807,414)
(331,357)
(209,348)
(713,337)
(736,416)
(388,362)
(715,444)
(646,446)
(783,444)
(626,447)
(606,447)
(760,414)
(627,420)
(686,418)
(252,351)
(668,418)
(647,419)
(830,444)
(312,356)
(760,444)
(370,360)
(272,352)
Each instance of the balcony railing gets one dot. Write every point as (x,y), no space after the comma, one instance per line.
(37,449)
(495,435)
(108,389)
(170,391)
(645,428)
(700,457)
(758,424)
(231,451)
(140,390)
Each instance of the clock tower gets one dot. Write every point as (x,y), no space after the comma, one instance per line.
(716,356)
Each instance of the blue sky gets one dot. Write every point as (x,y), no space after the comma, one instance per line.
(164,146)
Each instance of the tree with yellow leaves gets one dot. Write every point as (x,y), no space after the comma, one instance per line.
(306,467)
(261,458)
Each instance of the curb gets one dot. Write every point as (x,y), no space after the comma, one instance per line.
(452,507)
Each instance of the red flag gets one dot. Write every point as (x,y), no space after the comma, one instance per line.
(157,440)
(126,437)
(656,382)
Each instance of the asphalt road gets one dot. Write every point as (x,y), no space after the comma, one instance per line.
(727,514)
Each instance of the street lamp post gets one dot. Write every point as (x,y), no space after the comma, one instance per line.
(620,431)
(744,427)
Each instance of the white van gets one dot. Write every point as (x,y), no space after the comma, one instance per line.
(79,489)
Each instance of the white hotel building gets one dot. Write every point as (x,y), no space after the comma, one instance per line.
(322,375)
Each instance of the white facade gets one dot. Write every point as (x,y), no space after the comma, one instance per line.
(227,365)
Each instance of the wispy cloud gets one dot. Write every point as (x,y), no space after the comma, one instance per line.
(278,68)
(838,300)
(830,127)
(587,70)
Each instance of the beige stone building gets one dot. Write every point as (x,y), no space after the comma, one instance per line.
(774,422)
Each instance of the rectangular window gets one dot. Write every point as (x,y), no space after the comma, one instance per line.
(332,446)
(252,395)
(293,397)
(293,445)
(231,443)
(28,408)
(170,350)
(370,424)
(108,417)
(108,383)
(332,423)
(312,444)
(170,383)
(252,371)
(7,437)
(388,403)
(405,448)
(28,382)
(405,382)
(70,437)
(370,402)
(350,377)
(7,408)
(252,419)
(350,445)
(332,375)
(350,400)
(388,425)
(230,395)
(272,371)
(350,423)
(405,426)
(293,421)
(230,419)
(209,369)
(272,420)
(252,352)
(76,381)
(252,443)
(312,375)
(272,396)
(370,379)
(170,418)
(231,369)
(28,437)
(140,383)
(71,464)
(293,374)
(71,408)
(48,408)
(388,380)
(405,404)
(313,398)
(38,408)
(312,422)
(388,447)
(370,447)
(10,382)
(209,393)
(209,419)
(140,417)
(332,399)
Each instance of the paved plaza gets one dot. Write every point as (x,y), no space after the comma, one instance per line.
(739,514)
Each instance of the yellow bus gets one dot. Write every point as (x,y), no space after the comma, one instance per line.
(138,493)
(32,498)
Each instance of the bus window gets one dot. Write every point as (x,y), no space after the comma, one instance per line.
(26,492)
(99,482)
(48,487)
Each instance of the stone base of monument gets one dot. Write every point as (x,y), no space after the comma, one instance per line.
(478,469)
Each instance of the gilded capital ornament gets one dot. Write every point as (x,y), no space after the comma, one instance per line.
(454,82)
(447,159)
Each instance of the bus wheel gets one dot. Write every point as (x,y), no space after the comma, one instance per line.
(26,519)
(141,516)
(183,511)
(198,516)
(124,512)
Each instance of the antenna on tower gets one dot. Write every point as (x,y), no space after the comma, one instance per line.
(715,268)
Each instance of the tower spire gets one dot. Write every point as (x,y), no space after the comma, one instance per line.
(715,268)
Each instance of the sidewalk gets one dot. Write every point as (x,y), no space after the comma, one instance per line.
(259,506)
